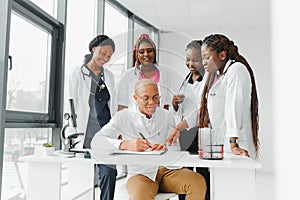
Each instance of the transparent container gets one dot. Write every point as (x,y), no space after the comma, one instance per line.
(211,144)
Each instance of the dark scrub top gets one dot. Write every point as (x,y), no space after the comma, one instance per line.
(99,110)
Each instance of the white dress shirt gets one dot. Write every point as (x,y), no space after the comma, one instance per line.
(128,123)
(228,103)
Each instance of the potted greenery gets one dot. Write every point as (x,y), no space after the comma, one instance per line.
(48,149)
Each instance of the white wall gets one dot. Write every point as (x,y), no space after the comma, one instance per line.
(254,44)
(286,95)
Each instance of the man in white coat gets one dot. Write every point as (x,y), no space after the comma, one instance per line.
(155,123)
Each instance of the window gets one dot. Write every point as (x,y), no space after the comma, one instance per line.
(115,26)
(28,78)
(34,78)
(49,6)
(34,89)
(19,142)
(80,31)
(139,29)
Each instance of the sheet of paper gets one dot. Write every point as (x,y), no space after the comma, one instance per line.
(148,152)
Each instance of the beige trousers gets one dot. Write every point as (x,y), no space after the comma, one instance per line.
(180,181)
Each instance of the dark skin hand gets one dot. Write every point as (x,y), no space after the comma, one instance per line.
(235,149)
(239,151)
(177,99)
(140,145)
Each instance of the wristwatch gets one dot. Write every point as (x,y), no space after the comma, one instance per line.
(233,141)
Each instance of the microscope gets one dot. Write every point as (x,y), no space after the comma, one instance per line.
(69,142)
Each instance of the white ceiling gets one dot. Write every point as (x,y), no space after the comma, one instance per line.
(196,15)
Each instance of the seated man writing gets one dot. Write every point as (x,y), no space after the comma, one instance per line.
(155,124)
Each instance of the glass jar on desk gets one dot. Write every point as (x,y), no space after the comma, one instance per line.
(211,144)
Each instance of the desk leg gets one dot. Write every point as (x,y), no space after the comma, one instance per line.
(232,184)
(80,181)
(43,181)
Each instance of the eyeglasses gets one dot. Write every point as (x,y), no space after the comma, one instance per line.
(142,51)
(147,99)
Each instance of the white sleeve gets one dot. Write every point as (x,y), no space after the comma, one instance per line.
(72,91)
(170,126)
(190,101)
(73,83)
(122,90)
(112,102)
(107,137)
(238,98)
(192,118)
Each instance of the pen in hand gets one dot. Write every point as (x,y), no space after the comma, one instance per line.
(142,136)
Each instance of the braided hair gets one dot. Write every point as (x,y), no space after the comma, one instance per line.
(143,38)
(99,40)
(221,43)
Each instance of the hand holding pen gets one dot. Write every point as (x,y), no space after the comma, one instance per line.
(142,136)
(138,144)
(155,147)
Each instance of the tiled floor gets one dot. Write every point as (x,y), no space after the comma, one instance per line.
(264,188)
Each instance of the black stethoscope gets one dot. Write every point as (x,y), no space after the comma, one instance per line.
(102,86)
(184,83)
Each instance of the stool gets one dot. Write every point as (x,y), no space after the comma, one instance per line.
(165,196)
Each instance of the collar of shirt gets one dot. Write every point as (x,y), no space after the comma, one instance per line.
(136,111)
(149,127)
(227,65)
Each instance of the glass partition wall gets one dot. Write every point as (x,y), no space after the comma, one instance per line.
(33,94)
(39,50)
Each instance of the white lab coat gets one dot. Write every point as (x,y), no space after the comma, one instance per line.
(168,84)
(79,90)
(189,103)
(129,122)
(229,103)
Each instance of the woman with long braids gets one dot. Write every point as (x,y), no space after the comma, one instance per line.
(229,98)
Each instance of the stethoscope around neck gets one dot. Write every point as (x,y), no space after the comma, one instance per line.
(102,86)
(184,83)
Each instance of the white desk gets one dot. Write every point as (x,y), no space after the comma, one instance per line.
(44,178)
(232,178)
